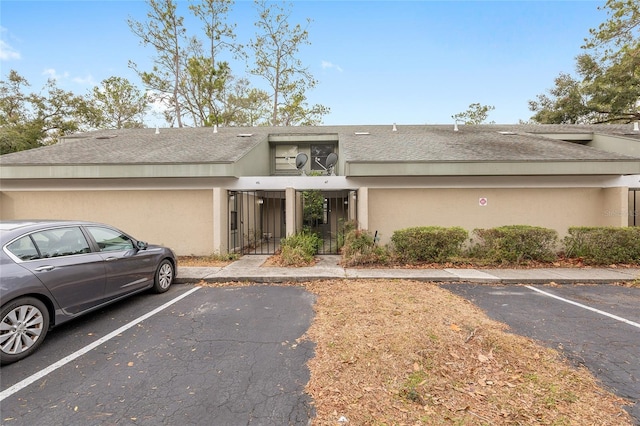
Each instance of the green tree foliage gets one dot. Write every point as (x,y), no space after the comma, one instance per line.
(313,207)
(275,49)
(476,114)
(565,103)
(246,105)
(221,35)
(203,90)
(118,104)
(296,111)
(208,80)
(31,120)
(166,33)
(607,87)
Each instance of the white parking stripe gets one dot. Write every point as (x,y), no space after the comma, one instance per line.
(598,311)
(42,373)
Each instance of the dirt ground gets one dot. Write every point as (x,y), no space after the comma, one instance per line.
(412,353)
(403,352)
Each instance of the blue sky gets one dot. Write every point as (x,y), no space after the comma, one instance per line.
(377,62)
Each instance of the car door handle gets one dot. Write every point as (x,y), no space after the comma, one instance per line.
(46,268)
(110,258)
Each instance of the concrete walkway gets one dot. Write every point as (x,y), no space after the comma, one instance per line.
(249,268)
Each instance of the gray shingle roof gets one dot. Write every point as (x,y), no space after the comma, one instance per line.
(141,146)
(420,143)
(469,143)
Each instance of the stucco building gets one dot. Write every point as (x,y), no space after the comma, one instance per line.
(208,190)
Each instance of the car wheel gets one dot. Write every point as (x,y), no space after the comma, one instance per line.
(24,325)
(164,276)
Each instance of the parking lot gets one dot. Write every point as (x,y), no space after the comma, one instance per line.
(596,326)
(216,356)
(233,356)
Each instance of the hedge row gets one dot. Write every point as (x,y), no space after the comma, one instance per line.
(505,244)
(515,244)
(604,245)
(428,243)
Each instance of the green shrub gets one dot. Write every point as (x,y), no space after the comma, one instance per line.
(428,243)
(344,227)
(515,244)
(300,248)
(604,245)
(360,248)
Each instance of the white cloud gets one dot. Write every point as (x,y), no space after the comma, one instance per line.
(327,64)
(88,80)
(7,52)
(54,75)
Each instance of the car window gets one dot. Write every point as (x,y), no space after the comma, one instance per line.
(109,239)
(24,249)
(60,242)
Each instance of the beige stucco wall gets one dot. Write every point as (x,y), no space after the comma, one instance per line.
(195,221)
(180,219)
(556,208)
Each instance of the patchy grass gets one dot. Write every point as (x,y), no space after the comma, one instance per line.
(402,352)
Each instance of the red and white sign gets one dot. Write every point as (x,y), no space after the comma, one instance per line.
(482,202)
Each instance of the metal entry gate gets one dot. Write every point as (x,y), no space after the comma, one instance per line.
(257,219)
(634,207)
(325,213)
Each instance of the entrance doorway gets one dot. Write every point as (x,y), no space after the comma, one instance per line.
(257,219)
(325,213)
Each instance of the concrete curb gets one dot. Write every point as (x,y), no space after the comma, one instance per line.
(250,269)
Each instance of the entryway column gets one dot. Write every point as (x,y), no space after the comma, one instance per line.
(220,221)
(363,208)
(290,206)
(616,206)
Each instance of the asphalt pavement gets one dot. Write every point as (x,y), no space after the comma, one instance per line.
(230,356)
(233,355)
(604,345)
(595,326)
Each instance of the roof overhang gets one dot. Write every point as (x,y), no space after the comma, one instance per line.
(98,171)
(493,168)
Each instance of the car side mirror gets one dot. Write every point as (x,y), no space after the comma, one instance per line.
(142,245)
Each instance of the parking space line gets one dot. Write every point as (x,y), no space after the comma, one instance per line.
(42,373)
(598,311)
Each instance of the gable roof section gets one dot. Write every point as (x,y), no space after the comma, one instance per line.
(172,152)
(479,150)
(421,150)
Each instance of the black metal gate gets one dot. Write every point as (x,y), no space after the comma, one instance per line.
(325,213)
(634,206)
(257,219)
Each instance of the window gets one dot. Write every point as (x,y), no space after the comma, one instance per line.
(319,155)
(285,157)
(50,243)
(24,249)
(110,240)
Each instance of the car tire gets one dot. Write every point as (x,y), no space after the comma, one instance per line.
(164,276)
(24,323)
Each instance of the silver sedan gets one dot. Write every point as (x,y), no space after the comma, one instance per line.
(53,271)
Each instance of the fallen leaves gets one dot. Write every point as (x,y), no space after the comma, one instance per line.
(404,352)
